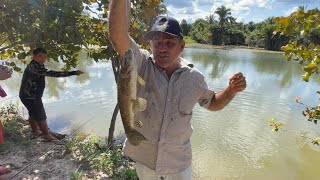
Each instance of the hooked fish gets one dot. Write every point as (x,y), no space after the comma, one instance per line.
(129,103)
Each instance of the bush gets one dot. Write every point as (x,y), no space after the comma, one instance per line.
(15,127)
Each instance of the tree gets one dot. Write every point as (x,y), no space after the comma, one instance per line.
(211,19)
(185,27)
(200,31)
(251,26)
(224,15)
(235,36)
(299,25)
(263,36)
(66,28)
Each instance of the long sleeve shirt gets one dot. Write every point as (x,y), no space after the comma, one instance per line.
(33,80)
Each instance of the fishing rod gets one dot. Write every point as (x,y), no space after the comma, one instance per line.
(52,147)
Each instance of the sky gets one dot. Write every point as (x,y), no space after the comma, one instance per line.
(243,10)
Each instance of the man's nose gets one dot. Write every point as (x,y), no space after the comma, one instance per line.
(162,46)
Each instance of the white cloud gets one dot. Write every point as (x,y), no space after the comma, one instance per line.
(247,10)
(177,4)
(288,12)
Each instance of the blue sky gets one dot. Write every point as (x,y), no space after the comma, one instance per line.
(243,10)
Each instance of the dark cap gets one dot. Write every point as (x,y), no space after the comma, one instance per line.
(166,25)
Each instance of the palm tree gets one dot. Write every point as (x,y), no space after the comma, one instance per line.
(251,26)
(224,15)
(210,19)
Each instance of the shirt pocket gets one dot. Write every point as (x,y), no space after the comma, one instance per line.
(189,96)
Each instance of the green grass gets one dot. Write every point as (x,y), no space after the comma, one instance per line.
(77,175)
(90,152)
(189,40)
(15,127)
(95,156)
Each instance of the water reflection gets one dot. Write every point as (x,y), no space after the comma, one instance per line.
(235,143)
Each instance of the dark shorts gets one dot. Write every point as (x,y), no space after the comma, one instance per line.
(35,109)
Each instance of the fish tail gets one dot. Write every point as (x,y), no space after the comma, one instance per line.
(134,137)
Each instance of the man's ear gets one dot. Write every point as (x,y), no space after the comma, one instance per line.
(183,44)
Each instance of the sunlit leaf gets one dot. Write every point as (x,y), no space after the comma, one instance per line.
(312,65)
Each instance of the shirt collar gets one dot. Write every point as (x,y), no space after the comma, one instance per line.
(185,64)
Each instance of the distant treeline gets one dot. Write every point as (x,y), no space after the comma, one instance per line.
(226,31)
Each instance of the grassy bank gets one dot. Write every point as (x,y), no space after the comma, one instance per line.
(189,40)
(190,43)
(227,47)
(79,157)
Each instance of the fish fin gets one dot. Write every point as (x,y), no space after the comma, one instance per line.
(141,81)
(134,137)
(139,104)
(138,123)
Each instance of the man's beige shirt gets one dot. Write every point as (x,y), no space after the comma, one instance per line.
(167,118)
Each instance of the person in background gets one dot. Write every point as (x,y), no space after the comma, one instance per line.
(5,73)
(31,91)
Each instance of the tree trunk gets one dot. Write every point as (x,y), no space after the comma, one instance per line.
(115,68)
(112,125)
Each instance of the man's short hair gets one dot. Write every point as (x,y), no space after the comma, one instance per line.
(39,50)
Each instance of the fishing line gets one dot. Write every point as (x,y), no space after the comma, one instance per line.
(53,147)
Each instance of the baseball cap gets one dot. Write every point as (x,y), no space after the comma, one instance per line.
(166,25)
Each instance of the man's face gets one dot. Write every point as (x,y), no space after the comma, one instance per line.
(41,58)
(166,50)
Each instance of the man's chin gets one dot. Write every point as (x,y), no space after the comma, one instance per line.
(161,63)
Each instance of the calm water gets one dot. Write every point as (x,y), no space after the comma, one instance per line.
(235,143)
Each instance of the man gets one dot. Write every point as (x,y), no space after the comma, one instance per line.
(172,89)
(31,91)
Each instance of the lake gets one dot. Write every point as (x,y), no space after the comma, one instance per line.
(234,143)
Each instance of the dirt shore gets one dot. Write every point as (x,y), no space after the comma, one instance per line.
(228,47)
(38,160)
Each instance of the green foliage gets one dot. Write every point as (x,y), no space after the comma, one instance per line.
(315,141)
(251,26)
(95,155)
(16,129)
(64,28)
(226,31)
(263,36)
(126,174)
(201,32)
(300,25)
(275,125)
(234,37)
(185,27)
(189,40)
(312,113)
(224,15)
(77,175)
(223,31)
(254,39)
